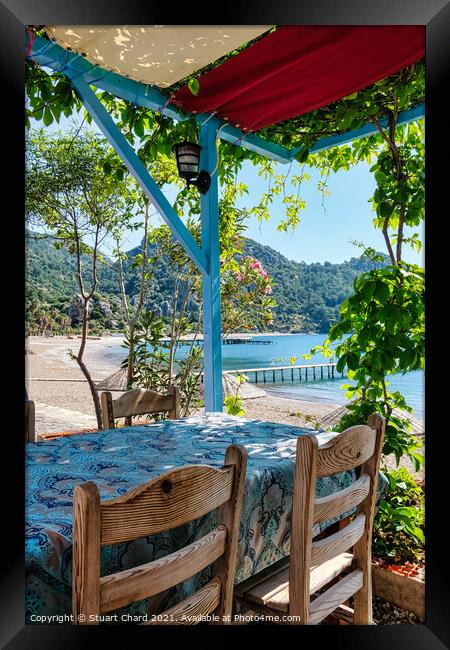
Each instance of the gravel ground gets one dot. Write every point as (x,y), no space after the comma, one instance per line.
(385,613)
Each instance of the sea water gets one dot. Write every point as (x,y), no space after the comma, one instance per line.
(280,350)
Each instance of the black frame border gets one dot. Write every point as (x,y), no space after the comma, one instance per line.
(435,16)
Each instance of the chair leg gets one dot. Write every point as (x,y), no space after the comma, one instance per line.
(362,601)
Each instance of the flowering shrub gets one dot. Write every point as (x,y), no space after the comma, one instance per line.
(246,296)
(246,304)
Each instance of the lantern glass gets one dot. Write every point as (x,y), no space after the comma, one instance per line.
(188,159)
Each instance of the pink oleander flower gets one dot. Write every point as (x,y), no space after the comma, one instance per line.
(257,265)
(268,289)
(239,277)
(264,275)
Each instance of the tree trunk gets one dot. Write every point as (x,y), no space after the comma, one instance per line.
(133,321)
(83,368)
(130,368)
(94,392)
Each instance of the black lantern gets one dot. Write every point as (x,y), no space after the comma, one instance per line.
(188,162)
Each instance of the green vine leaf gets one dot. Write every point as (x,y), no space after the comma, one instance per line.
(194,86)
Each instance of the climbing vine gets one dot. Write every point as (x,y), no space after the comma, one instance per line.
(381,328)
(50,95)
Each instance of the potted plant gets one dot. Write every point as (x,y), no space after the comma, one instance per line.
(398,544)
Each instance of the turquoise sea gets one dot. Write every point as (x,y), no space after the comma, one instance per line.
(283,347)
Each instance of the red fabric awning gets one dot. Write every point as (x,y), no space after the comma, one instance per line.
(297,69)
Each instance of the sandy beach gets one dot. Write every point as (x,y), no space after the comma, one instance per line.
(63,400)
(54,381)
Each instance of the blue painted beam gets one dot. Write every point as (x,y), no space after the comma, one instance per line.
(368,129)
(254,143)
(137,168)
(212,322)
(74,66)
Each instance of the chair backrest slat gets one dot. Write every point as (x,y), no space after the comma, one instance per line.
(224,568)
(139,401)
(347,451)
(205,601)
(121,589)
(333,505)
(333,545)
(168,501)
(327,602)
(357,446)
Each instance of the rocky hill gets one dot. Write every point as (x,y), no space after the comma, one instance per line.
(308,295)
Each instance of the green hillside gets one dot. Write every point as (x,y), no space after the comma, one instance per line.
(308,295)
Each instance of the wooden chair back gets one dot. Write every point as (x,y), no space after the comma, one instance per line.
(30,427)
(357,446)
(138,402)
(168,501)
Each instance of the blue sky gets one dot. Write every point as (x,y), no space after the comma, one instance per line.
(325,232)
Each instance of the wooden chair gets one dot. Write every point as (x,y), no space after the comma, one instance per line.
(30,427)
(138,402)
(286,587)
(171,500)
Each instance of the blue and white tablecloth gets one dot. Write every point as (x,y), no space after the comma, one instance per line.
(118,460)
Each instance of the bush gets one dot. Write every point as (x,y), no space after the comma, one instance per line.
(398,531)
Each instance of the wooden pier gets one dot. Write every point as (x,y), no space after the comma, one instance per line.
(228,341)
(289,373)
(244,339)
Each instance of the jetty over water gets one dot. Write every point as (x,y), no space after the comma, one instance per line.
(289,373)
(250,340)
(231,339)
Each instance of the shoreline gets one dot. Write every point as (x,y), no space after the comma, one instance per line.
(66,404)
(54,381)
(63,400)
(185,337)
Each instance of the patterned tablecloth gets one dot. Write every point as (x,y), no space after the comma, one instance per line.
(118,460)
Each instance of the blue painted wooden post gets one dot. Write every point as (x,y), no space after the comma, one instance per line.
(212,325)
